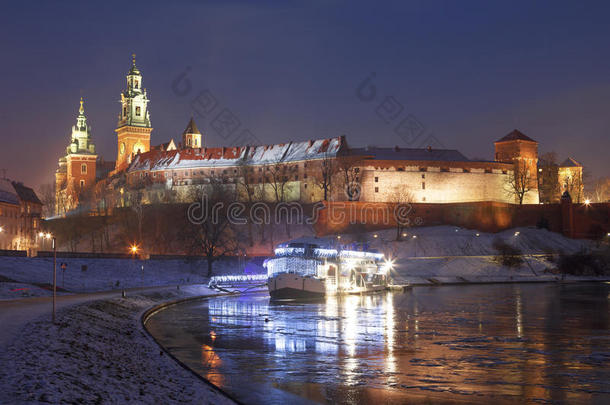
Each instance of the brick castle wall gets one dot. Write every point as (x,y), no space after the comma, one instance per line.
(587,221)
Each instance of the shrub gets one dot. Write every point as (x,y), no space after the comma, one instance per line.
(585,263)
(508,255)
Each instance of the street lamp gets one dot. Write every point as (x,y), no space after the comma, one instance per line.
(49,236)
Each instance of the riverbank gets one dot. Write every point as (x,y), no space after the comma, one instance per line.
(98,352)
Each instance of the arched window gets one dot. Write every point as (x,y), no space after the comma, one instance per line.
(82,184)
(137,84)
(137,111)
(83,168)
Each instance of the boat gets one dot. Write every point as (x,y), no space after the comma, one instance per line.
(312,269)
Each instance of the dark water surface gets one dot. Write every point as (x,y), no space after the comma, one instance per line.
(546,343)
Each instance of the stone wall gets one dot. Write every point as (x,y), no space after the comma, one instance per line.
(434,185)
(573,220)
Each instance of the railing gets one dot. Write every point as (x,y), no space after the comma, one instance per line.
(241,282)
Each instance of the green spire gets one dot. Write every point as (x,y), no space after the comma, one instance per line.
(134,69)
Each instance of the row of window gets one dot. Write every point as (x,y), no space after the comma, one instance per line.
(444,170)
(138,111)
(9,213)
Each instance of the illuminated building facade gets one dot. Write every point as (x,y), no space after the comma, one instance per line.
(396,174)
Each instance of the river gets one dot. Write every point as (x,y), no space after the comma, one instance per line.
(547,343)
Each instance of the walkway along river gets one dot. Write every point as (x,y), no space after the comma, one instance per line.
(475,343)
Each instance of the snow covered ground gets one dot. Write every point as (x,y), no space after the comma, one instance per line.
(98,353)
(448,254)
(102,274)
(425,253)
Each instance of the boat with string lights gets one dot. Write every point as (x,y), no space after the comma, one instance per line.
(313,269)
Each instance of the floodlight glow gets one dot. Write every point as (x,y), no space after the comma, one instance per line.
(41,234)
(134,249)
(388,265)
(587,201)
(375,236)
(47,235)
(517,233)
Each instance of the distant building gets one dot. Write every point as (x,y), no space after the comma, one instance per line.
(170,171)
(554,179)
(20,213)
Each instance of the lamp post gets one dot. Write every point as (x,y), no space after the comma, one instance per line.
(49,236)
(134,252)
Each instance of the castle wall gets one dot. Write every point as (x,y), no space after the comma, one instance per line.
(583,221)
(434,186)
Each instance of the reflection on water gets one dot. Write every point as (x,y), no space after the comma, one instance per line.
(505,343)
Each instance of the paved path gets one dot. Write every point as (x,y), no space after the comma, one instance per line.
(14,314)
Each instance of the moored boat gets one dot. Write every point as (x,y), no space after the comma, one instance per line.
(304,269)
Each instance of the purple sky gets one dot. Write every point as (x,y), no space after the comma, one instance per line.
(469,72)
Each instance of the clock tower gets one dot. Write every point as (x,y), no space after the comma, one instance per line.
(133,129)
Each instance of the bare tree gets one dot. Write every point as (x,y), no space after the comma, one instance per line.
(519,182)
(46,193)
(348,167)
(208,229)
(402,198)
(246,190)
(548,178)
(601,190)
(279,175)
(328,170)
(575,185)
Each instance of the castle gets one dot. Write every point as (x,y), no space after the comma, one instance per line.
(310,171)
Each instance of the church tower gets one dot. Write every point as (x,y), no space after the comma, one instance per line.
(133,129)
(76,172)
(191,137)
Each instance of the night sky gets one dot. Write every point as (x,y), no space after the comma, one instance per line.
(468,72)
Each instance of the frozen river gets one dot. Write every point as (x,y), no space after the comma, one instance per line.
(546,343)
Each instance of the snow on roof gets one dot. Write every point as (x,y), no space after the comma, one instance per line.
(187,158)
(7,192)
